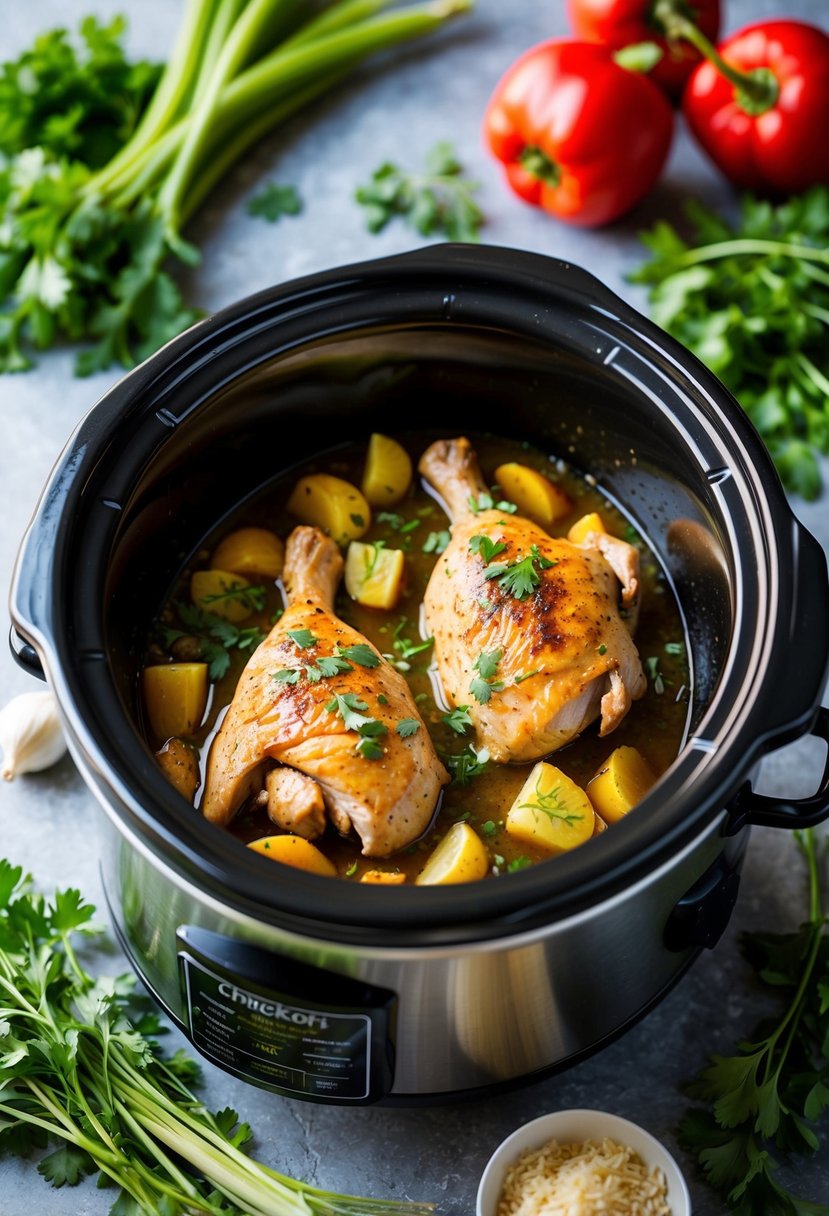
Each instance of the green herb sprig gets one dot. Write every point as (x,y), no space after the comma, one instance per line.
(439,200)
(484,684)
(216,637)
(82,1074)
(521,577)
(752,301)
(763,1100)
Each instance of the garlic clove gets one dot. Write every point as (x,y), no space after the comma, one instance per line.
(31,734)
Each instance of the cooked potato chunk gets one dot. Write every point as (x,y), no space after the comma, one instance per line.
(388,471)
(222,593)
(255,551)
(533,493)
(386,878)
(294,851)
(621,782)
(180,764)
(175,695)
(460,857)
(374,576)
(582,528)
(332,504)
(551,811)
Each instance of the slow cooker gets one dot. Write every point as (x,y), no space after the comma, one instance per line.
(345,993)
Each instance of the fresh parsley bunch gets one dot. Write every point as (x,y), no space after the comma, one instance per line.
(752,301)
(100,172)
(79,1072)
(764,1100)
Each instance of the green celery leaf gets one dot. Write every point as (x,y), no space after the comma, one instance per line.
(66,1165)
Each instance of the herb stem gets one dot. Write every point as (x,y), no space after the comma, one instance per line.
(751,245)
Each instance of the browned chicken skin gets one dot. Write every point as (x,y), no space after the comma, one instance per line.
(565,644)
(388,801)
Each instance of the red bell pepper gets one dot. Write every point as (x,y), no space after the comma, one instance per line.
(577,134)
(759,106)
(621,23)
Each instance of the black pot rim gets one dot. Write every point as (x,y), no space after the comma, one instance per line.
(754,707)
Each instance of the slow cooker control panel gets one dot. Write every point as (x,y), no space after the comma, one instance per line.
(288,1026)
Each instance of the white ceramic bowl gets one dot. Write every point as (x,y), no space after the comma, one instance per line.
(569,1126)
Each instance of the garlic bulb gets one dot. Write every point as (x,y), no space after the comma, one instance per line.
(30,734)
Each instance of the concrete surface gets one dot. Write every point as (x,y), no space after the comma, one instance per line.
(48,822)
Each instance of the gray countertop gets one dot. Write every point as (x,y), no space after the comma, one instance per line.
(49,821)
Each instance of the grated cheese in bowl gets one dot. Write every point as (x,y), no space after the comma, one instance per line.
(587,1178)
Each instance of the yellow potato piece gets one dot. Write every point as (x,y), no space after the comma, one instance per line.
(383,877)
(255,551)
(533,493)
(460,857)
(332,504)
(582,528)
(294,851)
(213,590)
(551,811)
(621,782)
(374,576)
(388,472)
(175,695)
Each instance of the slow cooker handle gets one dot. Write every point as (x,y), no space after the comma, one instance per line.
(25,654)
(760,810)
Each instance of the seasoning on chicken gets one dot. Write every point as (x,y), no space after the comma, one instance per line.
(527,627)
(303,703)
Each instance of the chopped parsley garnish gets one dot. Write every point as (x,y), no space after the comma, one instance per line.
(489,828)
(467,764)
(352,870)
(216,637)
(304,638)
(518,863)
(436,542)
(485,547)
(404,648)
(391,518)
(655,675)
(602,649)
(332,665)
(519,578)
(675,648)
(484,684)
(358,521)
(486,502)
(525,675)
(349,706)
(457,719)
(253,597)
(360,653)
(406,727)
(287,675)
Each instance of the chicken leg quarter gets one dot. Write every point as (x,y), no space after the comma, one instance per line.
(299,722)
(565,655)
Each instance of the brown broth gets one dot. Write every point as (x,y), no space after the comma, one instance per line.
(655,725)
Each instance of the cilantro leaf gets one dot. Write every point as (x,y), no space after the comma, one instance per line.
(348,705)
(486,547)
(66,1165)
(467,764)
(457,719)
(406,727)
(520,578)
(304,638)
(438,200)
(69,912)
(360,653)
(287,675)
(332,665)
(274,201)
